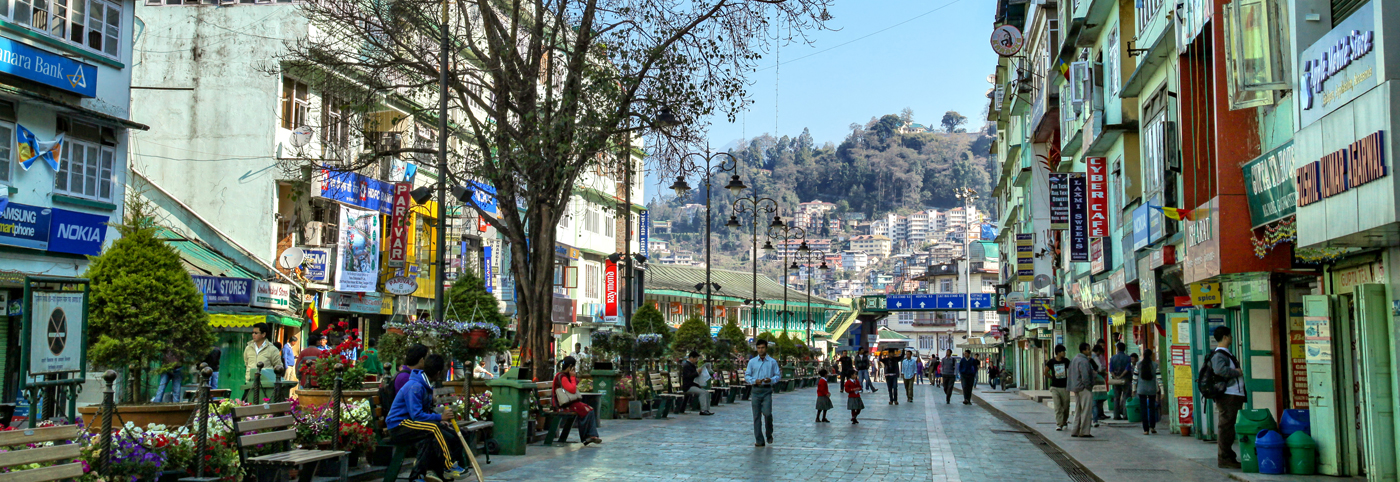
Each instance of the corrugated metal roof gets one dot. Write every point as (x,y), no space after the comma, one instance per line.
(733,284)
(200,259)
(888,334)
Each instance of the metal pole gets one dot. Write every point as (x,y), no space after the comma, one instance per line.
(440,306)
(202,440)
(809,298)
(627,231)
(109,406)
(967,260)
(753,311)
(709,307)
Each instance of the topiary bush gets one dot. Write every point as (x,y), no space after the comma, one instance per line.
(693,335)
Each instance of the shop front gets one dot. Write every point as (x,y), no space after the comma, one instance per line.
(1348,219)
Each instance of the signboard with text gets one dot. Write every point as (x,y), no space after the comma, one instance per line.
(398,225)
(353,189)
(220,290)
(1059,200)
(610,292)
(1098,196)
(54,70)
(1268,182)
(267,294)
(1078,218)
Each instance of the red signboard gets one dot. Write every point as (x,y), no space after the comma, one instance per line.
(1184,406)
(1098,196)
(1300,384)
(398,225)
(610,292)
(676,307)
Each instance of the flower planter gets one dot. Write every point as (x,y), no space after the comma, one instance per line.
(623,403)
(478,386)
(478,338)
(394,330)
(322,397)
(169,414)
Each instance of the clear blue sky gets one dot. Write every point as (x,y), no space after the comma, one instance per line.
(932,64)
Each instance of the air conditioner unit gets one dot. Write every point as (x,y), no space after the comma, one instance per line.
(311,233)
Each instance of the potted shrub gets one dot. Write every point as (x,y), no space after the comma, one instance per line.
(624,394)
(145,316)
(483,330)
(693,335)
(318,381)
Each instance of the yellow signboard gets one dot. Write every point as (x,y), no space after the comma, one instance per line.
(1181,380)
(1205,293)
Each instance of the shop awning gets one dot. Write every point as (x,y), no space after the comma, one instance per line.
(888,334)
(200,259)
(244,318)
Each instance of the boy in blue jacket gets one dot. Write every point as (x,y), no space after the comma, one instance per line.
(411,420)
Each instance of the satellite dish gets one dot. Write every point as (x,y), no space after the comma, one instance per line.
(301,136)
(291,257)
(1041,281)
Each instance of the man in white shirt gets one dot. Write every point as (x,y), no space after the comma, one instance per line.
(1227,407)
(762,373)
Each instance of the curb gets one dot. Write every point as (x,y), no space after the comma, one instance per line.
(1012,420)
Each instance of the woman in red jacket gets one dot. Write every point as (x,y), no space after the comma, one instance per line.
(566,397)
(823,397)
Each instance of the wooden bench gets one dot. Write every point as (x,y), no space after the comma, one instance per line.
(665,400)
(554,419)
(277,428)
(64,453)
(401,453)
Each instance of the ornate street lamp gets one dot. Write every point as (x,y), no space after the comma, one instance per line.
(689,164)
(754,205)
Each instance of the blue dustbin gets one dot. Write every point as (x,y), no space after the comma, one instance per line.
(1269,447)
(1294,420)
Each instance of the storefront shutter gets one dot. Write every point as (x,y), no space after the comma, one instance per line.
(1341,9)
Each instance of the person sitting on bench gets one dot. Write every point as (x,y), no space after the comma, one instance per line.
(567,398)
(411,420)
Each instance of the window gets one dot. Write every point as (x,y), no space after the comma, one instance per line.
(1112,62)
(88,157)
(294,103)
(1255,36)
(91,24)
(591,287)
(609,225)
(926,342)
(7,139)
(1115,190)
(945,286)
(336,125)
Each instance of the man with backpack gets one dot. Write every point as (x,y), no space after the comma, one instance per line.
(863,371)
(1222,381)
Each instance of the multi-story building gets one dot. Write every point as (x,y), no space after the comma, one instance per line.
(854,260)
(874,245)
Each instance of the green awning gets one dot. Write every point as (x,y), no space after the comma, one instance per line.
(888,334)
(200,259)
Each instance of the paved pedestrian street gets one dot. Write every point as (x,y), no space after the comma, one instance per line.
(909,442)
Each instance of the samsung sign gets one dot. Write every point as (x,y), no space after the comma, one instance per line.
(53,70)
(1339,66)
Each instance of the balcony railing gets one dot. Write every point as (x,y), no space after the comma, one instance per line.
(1147,12)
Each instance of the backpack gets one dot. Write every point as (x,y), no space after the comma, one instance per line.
(1211,385)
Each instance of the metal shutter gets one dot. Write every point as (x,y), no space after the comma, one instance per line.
(1341,9)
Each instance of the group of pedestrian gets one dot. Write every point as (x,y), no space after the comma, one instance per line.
(1075,379)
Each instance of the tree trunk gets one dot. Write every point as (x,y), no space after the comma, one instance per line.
(532,264)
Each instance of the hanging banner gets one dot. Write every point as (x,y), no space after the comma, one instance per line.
(57,321)
(353,189)
(610,292)
(644,232)
(1025,257)
(1059,200)
(358,251)
(1098,196)
(486,274)
(1078,218)
(398,225)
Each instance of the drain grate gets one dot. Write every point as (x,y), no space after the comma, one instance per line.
(1142,471)
(1072,468)
(1007,431)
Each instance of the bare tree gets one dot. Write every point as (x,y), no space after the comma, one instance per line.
(539,91)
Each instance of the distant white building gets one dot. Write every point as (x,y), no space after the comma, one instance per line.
(852,260)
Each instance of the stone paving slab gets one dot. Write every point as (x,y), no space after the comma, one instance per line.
(910,442)
(1119,450)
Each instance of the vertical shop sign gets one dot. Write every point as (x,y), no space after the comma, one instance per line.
(486,274)
(644,232)
(1078,218)
(1098,196)
(610,293)
(1025,257)
(1059,200)
(398,225)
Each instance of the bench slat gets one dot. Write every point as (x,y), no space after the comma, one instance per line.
(268,437)
(264,409)
(56,472)
(266,423)
(474,426)
(298,456)
(45,454)
(37,435)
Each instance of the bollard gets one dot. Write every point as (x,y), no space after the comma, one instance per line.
(201,442)
(109,405)
(335,406)
(257,387)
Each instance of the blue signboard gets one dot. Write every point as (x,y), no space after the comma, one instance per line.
(952,301)
(1039,315)
(924,301)
(25,226)
(317,264)
(899,302)
(1022,312)
(219,290)
(356,190)
(53,70)
(484,196)
(644,232)
(983,301)
(1142,229)
(77,233)
(486,266)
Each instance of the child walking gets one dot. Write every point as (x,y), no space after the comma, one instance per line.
(853,403)
(823,397)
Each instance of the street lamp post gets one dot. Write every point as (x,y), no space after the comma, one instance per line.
(688,165)
(967,196)
(787,236)
(754,205)
(824,268)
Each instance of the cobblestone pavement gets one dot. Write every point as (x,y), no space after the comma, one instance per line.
(909,442)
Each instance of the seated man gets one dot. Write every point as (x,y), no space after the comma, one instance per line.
(411,420)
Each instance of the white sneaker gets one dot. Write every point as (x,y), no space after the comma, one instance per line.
(1059,428)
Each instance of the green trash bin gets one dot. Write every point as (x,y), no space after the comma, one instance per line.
(510,410)
(1133,409)
(1302,454)
(1248,424)
(605,382)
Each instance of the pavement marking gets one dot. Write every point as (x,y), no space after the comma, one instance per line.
(938,446)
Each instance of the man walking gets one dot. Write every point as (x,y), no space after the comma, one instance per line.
(967,369)
(1057,371)
(844,363)
(1120,367)
(909,368)
(863,372)
(1083,375)
(890,363)
(690,371)
(762,373)
(1227,405)
(949,370)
